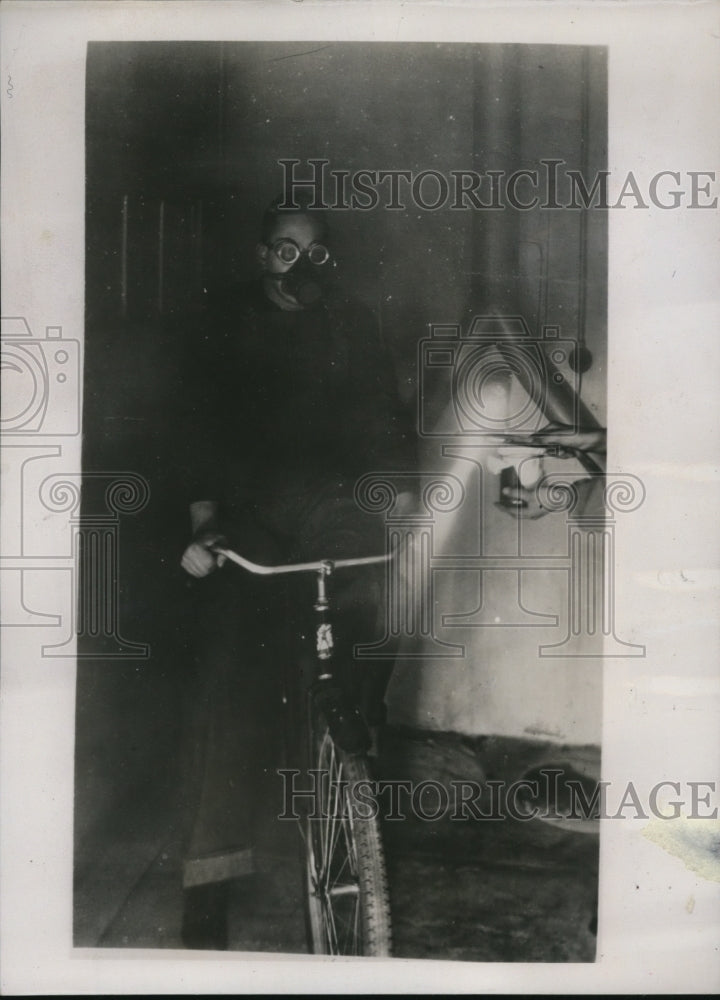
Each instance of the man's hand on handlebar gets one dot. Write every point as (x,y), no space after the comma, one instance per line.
(199,559)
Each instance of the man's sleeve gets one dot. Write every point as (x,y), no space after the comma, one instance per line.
(202,430)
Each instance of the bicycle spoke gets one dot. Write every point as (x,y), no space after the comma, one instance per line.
(330,841)
(332,928)
(337,871)
(336,880)
(336,829)
(349,889)
(349,859)
(324,808)
(330,808)
(350,843)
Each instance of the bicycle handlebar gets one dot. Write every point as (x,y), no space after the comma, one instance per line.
(322,565)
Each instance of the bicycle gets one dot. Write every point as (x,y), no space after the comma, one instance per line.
(344,875)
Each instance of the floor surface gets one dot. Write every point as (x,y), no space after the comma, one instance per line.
(510,890)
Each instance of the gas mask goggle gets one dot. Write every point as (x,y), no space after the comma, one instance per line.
(311,270)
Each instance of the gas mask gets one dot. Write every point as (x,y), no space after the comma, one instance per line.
(307,279)
(306,282)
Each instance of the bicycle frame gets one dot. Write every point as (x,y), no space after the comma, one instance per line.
(347,900)
(323,568)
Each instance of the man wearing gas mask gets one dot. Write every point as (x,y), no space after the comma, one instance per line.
(291,398)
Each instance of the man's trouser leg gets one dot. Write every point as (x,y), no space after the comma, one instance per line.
(237,704)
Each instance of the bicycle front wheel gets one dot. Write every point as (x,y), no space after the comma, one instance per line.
(346,883)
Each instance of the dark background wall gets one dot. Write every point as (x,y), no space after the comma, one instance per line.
(183,141)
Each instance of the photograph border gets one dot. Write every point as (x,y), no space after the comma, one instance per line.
(658,917)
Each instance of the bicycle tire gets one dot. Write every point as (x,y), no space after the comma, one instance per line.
(346,886)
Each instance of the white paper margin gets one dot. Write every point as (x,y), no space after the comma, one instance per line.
(664,333)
